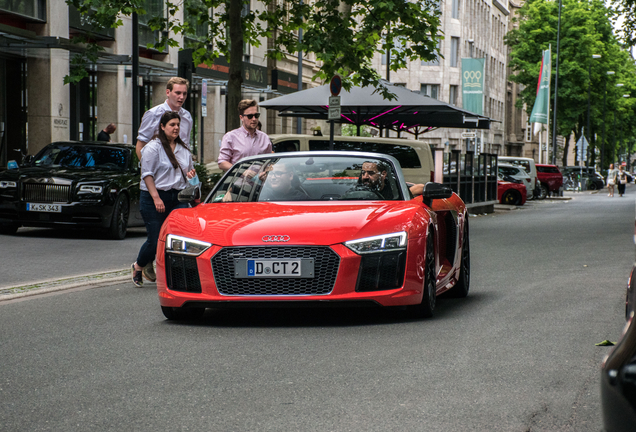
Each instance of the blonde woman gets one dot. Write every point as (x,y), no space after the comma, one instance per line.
(611,180)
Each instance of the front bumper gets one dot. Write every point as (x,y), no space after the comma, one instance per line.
(199,279)
(82,214)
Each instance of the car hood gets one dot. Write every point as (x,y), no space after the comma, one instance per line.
(60,173)
(236,224)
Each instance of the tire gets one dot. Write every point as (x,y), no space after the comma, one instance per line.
(119,221)
(429,296)
(9,229)
(543,192)
(182,314)
(511,197)
(591,186)
(460,290)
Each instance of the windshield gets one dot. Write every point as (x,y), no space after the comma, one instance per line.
(321,178)
(81,156)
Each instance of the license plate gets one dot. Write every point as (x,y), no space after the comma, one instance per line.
(48,208)
(285,268)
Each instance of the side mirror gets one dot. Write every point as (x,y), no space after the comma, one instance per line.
(27,160)
(435,191)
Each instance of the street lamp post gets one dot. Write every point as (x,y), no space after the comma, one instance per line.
(589,87)
(556,90)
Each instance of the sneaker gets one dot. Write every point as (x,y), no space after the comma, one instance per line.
(149,273)
(137,278)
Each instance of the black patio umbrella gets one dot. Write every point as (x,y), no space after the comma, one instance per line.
(410,112)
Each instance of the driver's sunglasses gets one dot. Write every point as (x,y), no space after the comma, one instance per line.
(369,173)
(251,116)
(277,174)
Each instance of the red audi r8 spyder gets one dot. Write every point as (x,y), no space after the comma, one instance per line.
(314,228)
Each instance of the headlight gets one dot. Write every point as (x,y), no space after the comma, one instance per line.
(7,184)
(381,243)
(185,246)
(90,189)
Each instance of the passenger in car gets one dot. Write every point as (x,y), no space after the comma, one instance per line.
(281,184)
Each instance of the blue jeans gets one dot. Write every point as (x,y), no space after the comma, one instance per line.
(153,220)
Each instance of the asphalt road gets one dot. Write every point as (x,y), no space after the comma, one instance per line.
(518,354)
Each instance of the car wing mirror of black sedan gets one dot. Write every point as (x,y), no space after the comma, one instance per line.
(435,191)
(28,160)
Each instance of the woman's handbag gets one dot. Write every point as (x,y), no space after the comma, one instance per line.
(623,178)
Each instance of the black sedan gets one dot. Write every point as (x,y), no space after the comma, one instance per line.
(73,184)
(618,375)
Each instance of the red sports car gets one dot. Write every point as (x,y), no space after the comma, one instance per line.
(510,192)
(314,228)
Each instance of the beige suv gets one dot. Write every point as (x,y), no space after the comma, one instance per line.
(414,156)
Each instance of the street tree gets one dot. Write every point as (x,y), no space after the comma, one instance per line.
(585,30)
(344,35)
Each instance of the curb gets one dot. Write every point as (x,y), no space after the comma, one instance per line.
(93,280)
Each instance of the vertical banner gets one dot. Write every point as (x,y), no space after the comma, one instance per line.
(541,106)
(473,85)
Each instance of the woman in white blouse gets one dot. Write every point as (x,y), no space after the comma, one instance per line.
(165,164)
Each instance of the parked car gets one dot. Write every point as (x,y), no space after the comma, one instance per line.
(529,165)
(323,237)
(518,173)
(618,373)
(511,192)
(415,156)
(550,179)
(79,184)
(593,180)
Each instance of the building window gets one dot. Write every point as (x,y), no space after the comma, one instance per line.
(191,12)
(434,62)
(452,95)
(455,10)
(454,51)
(431,90)
(398,44)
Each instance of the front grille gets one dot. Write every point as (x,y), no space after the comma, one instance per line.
(182,273)
(381,271)
(46,193)
(326,263)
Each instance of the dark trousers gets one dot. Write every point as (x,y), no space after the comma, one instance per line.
(621,188)
(153,220)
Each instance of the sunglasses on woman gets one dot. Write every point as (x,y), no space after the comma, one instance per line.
(251,116)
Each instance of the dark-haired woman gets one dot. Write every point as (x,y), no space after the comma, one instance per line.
(165,162)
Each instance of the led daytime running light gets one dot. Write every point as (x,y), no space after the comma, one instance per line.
(185,246)
(381,243)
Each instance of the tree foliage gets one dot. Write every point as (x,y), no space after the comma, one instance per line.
(585,30)
(344,35)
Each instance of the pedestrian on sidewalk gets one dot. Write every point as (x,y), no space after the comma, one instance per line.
(611,180)
(165,164)
(176,93)
(621,180)
(104,134)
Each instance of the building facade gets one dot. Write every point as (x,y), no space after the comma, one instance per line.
(36,49)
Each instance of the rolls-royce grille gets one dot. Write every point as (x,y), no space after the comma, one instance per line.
(46,193)
(182,273)
(326,263)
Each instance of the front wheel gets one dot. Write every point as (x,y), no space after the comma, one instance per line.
(511,197)
(543,192)
(429,291)
(119,220)
(8,229)
(182,314)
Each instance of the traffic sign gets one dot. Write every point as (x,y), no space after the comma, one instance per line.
(468,134)
(334,108)
(336,85)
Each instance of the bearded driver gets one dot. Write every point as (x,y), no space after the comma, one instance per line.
(373,175)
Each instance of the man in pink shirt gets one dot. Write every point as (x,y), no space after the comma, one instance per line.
(246,140)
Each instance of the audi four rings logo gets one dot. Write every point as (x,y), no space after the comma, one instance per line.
(276,238)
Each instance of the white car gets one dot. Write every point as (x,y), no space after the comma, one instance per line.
(517,173)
